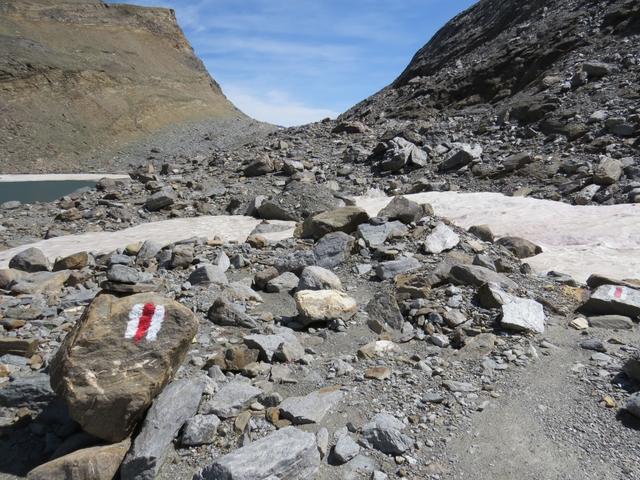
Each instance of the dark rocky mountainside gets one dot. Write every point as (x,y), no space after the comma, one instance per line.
(80,79)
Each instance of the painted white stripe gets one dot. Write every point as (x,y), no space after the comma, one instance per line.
(156,323)
(134,319)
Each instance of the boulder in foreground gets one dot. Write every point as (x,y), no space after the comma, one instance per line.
(288,454)
(118,357)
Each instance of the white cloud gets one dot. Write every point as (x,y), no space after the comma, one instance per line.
(276,107)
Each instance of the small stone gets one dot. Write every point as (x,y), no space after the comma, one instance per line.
(579,323)
(378,373)
(520,247)
(593,344)
(318,278)
(231,399)
(333,249)
(311,408)
(442,238)
(200,430)
(208,274)
(389,270)
(282,283)
(324,305)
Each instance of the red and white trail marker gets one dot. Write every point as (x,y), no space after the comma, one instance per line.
(145,321)
(618,293)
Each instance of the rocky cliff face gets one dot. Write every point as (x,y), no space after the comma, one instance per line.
(80,79)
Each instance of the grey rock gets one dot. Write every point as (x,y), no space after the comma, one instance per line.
(442,238)
(267,344)
(461,157)
(333,249)
(200,430)
(464,387)
(597,69)
(584,196)
(148,250)
(318,278)
(231,399)
(614,322)
(384,433)
(345,449)
(633,404)
(607,172)
(123,274)
(523,314)
(181,256)
(208,274)
(222,261)
(284,282)
(477,276)
(376,235)
(311,408)
(226,313)
(388,270)
(483,232)
(288,454)
(322,439)
(159,200)
(594,344)
(29,391)
(260,166)
(383,309)
(177,403)
(30,260)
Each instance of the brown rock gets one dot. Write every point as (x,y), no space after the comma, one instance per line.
(118,357)
(77,261)
(345,219)
(378,373)
(18,346)
(95,463)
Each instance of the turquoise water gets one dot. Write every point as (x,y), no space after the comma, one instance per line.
(44,191)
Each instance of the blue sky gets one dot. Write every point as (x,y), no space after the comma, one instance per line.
(291,62)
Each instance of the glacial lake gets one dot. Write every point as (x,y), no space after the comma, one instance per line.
(40,191)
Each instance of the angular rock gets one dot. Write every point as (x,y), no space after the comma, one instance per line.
(311,408)
(345,449)
(77,261)
(226,313)
(200,430)
(267,344)
(25,347)
(208,274)
(231,399)
(94,463)
(284,282)
(383,308)
(523,314)
(483,232)
(143,338)
(181,256)
(333,249)
(613,322)
(30,260)
(477,276)
(345,219)
(607,172)
(633,404)
(614,300)
(177,403)
(30,391)
(402,209)
(384,433)
(159,200)
(388,270)
(259,167)
(376,235)
(318,278)
(123,274)
(520,247)
(461,157)
(324,305)
(442,238)
(288,454)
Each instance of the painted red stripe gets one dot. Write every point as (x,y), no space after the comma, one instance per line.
(144,322)
(618,292)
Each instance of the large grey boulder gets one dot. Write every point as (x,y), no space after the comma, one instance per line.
(30,260)
(376,235)
(288,454)
(177,403)
(159,200)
